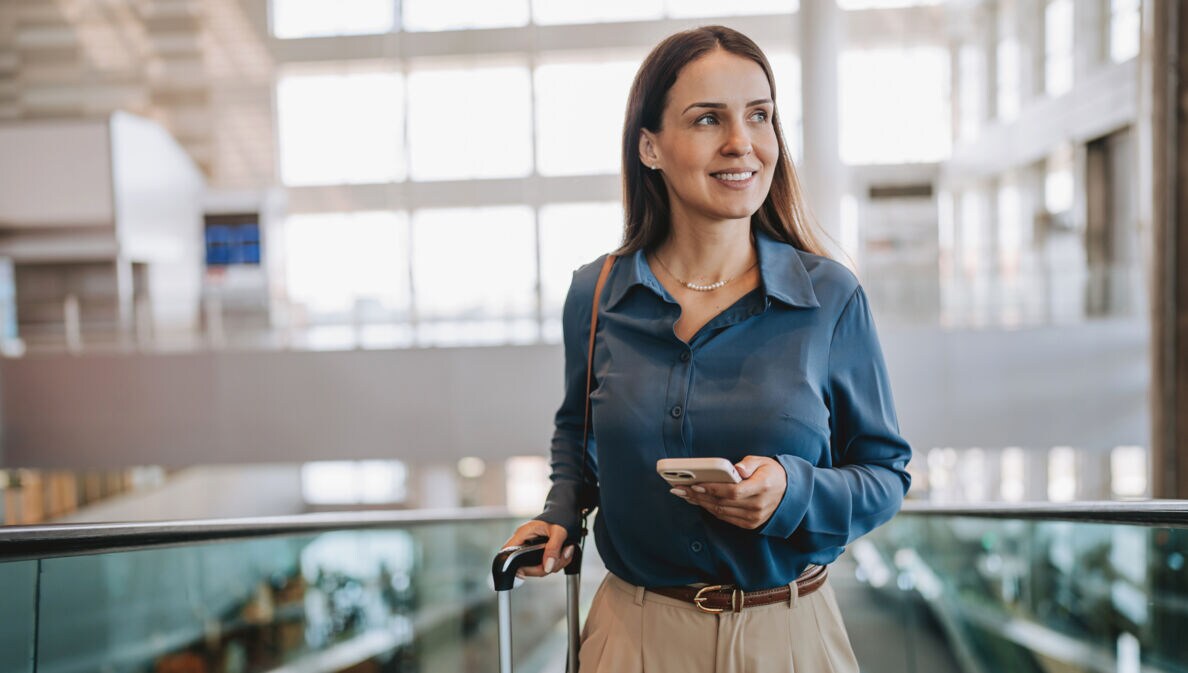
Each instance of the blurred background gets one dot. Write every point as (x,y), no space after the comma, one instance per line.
(273,257)
(284,231)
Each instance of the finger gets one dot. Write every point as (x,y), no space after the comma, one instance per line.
(748,465)
(552,550)
(566,557)
(526,532)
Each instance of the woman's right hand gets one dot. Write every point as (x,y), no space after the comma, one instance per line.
(555,558)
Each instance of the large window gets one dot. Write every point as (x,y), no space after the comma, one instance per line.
(971,94)
(340,128)
(318,18)
(1009,87)
(695,8)
(1058,47)
(573,234)
(909,89)
(474,263)
(348,267)
(460,14)
(473,122)
(579,114)
(1124,29)
(551,12)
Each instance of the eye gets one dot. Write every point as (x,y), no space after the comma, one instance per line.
(705,120)
(759,116)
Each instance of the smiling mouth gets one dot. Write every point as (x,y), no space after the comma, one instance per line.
(734,177)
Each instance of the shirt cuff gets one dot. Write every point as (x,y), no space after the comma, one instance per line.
(794,505)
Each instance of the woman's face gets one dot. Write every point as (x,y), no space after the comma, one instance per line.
(716,147)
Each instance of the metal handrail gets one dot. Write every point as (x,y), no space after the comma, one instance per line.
(78,539)
(52,540)
(1167,513)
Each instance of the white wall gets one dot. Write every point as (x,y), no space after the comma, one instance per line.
(55,174)
(1082,386)
(206,492)
(158,203)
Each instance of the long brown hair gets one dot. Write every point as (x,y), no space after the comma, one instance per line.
(645,198)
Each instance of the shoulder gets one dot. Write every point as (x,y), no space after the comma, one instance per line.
(580,299)
(833,283)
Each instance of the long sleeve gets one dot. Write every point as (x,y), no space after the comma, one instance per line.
(573,489)
(830,506)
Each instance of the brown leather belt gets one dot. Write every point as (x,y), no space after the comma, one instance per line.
(722,597)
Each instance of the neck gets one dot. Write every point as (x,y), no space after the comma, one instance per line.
(704,254)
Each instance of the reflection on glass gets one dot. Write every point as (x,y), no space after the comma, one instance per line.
(462,14)
(18,615)
(1029,597)
(353,266)
(909,89)
(474,263)
(1058,47)
(571,235)
(469,123)
(412,599)
(552,12)
(340,129)
(315,18)
(579,115)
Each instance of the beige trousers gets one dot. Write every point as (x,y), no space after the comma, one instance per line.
(631,630)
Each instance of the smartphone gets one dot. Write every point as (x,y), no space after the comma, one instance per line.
(680,471)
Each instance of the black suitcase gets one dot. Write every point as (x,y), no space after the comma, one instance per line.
(503,572)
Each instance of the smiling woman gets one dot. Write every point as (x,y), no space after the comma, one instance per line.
(722,332)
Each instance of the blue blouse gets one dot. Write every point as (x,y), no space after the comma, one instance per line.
(793,370)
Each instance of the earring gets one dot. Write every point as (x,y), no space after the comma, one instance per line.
(656,167)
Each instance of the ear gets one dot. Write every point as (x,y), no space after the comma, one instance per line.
(648,149)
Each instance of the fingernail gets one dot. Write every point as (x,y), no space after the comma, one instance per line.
(549,563)
(568,552)
(698,489)
(680,492)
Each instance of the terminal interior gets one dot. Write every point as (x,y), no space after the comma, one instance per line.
(280,318)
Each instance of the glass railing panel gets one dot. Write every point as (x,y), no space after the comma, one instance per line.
(1033,595)
(407,599)
(18,594)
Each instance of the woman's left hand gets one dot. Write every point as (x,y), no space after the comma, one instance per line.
(747,504)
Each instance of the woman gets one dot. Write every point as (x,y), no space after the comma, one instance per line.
(723,331)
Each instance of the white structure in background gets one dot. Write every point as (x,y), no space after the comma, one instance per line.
(102,220)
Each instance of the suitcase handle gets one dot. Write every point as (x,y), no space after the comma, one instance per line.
(531,553)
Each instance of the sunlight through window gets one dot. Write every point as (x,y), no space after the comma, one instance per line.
(317,18)
(338,264)
(469,122)
(894,105)
(579,115)
(573,234)
(340,128)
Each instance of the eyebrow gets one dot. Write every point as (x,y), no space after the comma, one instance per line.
(722,106)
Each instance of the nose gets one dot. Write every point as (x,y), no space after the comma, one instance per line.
(738,142)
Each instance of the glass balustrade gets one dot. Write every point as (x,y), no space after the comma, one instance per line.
(414,598)
(1021,595)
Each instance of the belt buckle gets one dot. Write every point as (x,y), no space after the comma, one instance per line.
(698,599)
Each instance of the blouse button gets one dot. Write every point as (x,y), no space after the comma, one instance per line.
(685,357)
(696,546)
(677,411)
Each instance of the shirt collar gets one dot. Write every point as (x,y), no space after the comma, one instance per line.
(782,272)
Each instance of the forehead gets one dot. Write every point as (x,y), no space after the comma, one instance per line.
(719,76)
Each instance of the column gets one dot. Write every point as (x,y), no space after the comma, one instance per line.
(1163,211)
(821,171)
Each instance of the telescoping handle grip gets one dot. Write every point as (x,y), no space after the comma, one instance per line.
(531,553)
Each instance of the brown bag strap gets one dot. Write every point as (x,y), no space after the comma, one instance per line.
(606,267)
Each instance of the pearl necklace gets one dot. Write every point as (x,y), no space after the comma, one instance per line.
(702,288)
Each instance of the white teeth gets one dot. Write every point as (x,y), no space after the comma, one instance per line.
(734,176)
